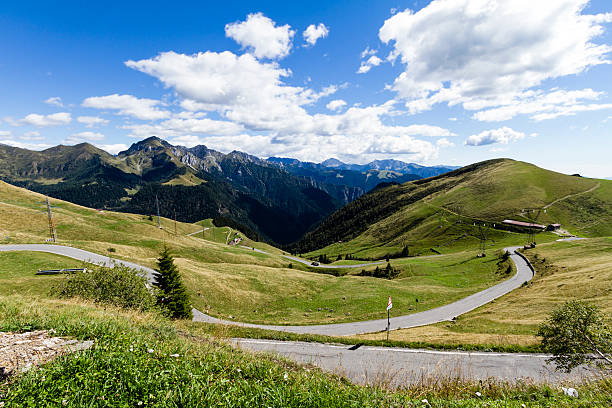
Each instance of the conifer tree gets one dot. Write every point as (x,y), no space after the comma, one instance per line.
(173,295)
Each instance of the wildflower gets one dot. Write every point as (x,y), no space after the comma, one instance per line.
(478,394)
(150,351)
(570,392)
(239,370)
(286,376)
(175,355)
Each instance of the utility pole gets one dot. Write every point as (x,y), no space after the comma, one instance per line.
(51,222)
(158,217)
(532,214)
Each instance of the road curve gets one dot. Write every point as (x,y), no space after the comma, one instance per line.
(400,367)
(321,266)
(443,313)
(78,254)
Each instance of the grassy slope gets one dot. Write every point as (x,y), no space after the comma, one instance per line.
(491,192)
(17,271)
(237,281)
(144,360)
(564,271)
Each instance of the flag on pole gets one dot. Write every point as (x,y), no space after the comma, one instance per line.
(390,304)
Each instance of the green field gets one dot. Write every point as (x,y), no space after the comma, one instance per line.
(239,282)
(17,272)
(439,213)
(141,359)
(564,271)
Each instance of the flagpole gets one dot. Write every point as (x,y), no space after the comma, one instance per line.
(388,325)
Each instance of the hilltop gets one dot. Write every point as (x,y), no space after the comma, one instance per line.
(439,212)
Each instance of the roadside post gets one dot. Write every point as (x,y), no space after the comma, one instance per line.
(389,306)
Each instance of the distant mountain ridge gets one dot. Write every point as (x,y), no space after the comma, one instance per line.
(278,201)
(363,176)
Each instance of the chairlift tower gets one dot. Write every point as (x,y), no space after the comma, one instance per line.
(482,235)
(158,216)
(52,232)
(532,214)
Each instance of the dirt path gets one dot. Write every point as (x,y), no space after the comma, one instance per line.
(572,195)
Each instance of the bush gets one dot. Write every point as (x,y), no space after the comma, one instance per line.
(577,333)
(119,286)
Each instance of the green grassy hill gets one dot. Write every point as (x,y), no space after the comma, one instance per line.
(233,280)
(440,212)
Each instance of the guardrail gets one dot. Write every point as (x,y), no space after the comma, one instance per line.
(526,261)
(59,271)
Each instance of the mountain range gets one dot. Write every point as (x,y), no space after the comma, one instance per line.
(273,199)
(445,211)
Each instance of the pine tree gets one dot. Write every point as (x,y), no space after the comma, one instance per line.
(173,296)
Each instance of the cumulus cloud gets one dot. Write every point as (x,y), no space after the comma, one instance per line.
(314,32)
(55,101)
(260,35)
(84,137)
(34,135)
(444,142)
(545,105)
(502,135)
(140,108)
(21,145)
(92,121)
(54,119)
(258,112)
(367,65)
(112,148)
(486,53)
(336,105)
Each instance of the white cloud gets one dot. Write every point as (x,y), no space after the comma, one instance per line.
(112,148)
(241,88)
(541,106)
(32,136)
(313,33)
(367,52)
(5,133)
(367,65)
(140,108)
(84,137)
(260,114)
(21,145)
(92,121)
(55,101)
(261,36)
(185,125)
(487,53)
(444,142)
(502,135)
(336,105)
(54,119)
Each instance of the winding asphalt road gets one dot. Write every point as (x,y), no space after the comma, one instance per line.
(400,367)
(443,313)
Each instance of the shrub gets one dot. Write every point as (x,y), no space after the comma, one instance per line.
(119,286)
(577,333)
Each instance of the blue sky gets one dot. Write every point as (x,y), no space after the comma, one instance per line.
(448,81)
